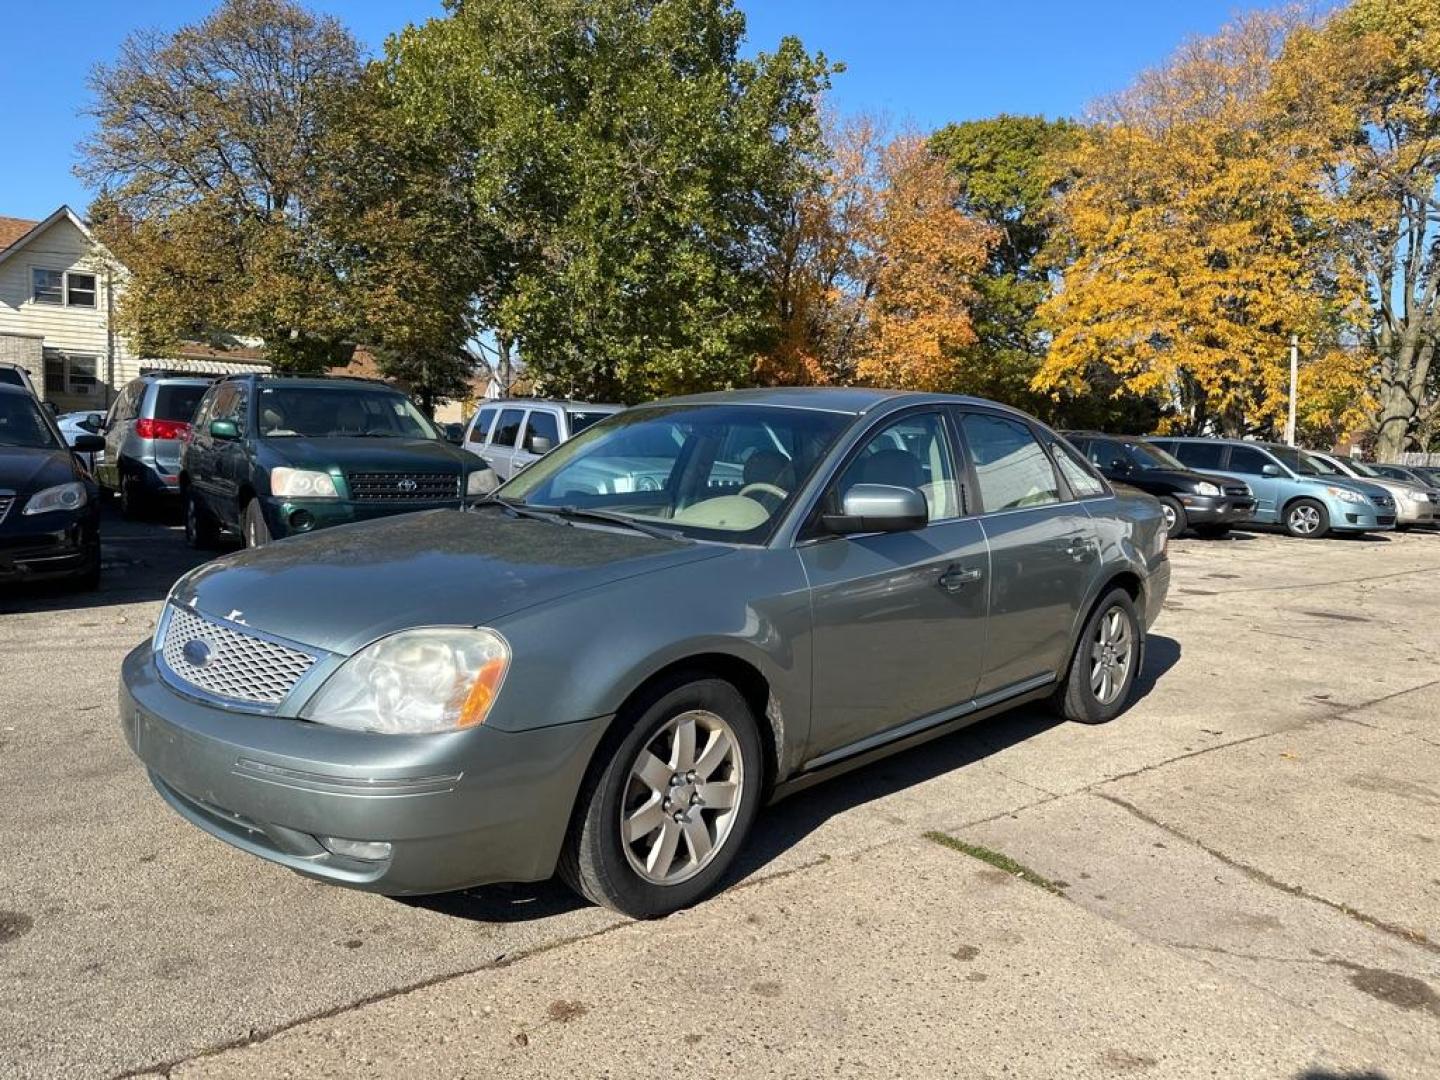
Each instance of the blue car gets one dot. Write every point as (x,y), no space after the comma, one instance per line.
(1289,491)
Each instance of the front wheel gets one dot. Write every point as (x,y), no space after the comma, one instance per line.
(257,533)
(201,531)
(1106,662)
(1307,519)
(665,810)
(1175,519)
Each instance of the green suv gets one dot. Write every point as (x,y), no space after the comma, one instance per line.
(272,456)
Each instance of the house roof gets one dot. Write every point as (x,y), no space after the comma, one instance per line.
(13,228)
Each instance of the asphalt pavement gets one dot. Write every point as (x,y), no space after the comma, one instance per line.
(1238,877)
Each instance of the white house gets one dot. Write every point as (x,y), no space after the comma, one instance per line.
(58,290)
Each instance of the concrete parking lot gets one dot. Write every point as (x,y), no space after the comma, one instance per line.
(1239,877)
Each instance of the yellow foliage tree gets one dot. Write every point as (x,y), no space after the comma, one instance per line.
(1191,244)
(876,277)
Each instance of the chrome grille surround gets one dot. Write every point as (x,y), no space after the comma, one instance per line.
(403,487)
(7,500)
(241,668)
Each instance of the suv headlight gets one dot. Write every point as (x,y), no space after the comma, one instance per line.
(1207,488)
(69,496)
(1346,495)
(416,682)
(481,482)
(287,483)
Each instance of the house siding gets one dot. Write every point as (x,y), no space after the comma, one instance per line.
(63,329)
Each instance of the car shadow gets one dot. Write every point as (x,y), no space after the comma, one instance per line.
(782,826)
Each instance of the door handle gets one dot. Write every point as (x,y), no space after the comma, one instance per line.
(1079,549)
(957,577)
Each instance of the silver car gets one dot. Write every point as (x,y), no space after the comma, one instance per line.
(511,433)
(144,433)
(610,678)
(1414,503)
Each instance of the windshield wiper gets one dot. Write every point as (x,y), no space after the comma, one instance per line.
(516,508)
(580,513)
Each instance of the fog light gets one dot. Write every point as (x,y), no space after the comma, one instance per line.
(301,520)
(365,850)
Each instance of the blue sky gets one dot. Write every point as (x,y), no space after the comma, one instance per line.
(923,61)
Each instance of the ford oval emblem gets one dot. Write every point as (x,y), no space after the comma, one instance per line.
(407,485)
(197,652)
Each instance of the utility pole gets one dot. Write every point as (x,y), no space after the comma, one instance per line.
(1294,388)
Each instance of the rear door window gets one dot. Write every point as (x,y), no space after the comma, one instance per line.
(1245,460)
(1199,455)
(545,425)
(509,428)
(1012,469)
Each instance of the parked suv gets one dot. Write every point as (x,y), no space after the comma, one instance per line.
(1414,503)
(271,456)
(1209,504)
(510,434)
(144,431)
(1288,489)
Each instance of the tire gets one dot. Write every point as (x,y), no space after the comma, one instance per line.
(201,532)
(1212,532)
(1175,520)
(599,863)
(133,503)
(252,525)
(1306,519)
(1083,696)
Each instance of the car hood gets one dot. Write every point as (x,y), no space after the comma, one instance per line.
(371,455)
(1369,488)
(25,470)
(341,588)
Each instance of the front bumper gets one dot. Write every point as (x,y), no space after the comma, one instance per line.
(1407,513)
(59,544)
(1358,517)
(459,809)
(291,517)
(1217,509)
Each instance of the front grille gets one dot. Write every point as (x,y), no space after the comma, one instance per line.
(1383,500)
(7,500)
(403,486)
(1385,519)
(229,663)
(1237,489)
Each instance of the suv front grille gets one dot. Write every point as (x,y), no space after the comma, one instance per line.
(7,500)
(1239,490)
(228,663)
(403,486)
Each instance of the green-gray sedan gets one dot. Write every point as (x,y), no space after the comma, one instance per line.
(691,609)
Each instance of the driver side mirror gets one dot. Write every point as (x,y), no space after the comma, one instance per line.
(879,508)
(224,429)
(540,444)
(1271,470)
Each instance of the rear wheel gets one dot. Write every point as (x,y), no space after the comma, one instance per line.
(1102,673)
(1175,520)
(200,529)
(252,523)
(1307,519)
(668,804)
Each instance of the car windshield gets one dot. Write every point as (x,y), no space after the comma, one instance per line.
(1319,466)
(1297,461)
(719,472)
(1365,470)
(320,412)
(22,425)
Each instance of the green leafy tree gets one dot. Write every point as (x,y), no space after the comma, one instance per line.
(205,152)
(1008,171)
(628,172)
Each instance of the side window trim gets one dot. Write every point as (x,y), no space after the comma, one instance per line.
(1051,443)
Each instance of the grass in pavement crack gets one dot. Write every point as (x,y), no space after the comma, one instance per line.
(997,859)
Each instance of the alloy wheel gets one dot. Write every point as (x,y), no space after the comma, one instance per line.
(1304,519)
(681,798)
(1110,656)
(1169,512)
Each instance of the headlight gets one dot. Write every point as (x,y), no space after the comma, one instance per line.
(69,496)
(287,483)
(434,678)
(1346,495)
(1206,488)
(481,482)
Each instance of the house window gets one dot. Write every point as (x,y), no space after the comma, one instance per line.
(47,286)
(68,373)
(80,290)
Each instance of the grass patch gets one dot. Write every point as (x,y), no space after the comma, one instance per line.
(997,859)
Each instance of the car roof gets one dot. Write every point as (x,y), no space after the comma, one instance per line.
(853,400)
(564,403)
(313,380)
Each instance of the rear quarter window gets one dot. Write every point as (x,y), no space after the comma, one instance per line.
(1199,455)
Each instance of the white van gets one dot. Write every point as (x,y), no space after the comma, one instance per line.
(510,434)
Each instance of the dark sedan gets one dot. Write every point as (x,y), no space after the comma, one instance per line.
(1191,500)
(49,504)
